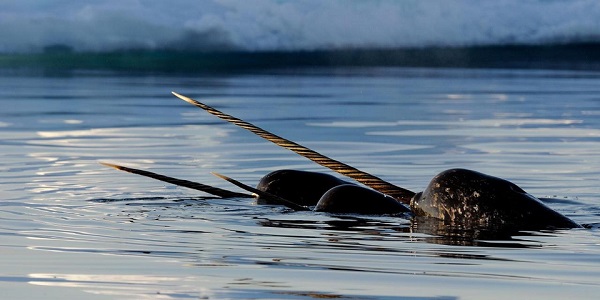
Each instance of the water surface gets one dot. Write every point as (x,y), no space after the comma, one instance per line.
(72,228)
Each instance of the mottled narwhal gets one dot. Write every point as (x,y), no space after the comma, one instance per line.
(457,197)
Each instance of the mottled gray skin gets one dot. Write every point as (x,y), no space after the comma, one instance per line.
(301,187)
(472,199)
(457,197)
(350,198)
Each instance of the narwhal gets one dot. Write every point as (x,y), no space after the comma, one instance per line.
(457,197)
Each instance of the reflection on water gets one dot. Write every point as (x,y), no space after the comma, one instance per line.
(415,229)
(74,229)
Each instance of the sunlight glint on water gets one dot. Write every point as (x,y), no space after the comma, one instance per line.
(72,228)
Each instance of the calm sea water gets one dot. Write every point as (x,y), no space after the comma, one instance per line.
(73,229)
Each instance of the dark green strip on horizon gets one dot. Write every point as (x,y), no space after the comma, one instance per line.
(569,56)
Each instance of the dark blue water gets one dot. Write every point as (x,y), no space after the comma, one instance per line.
(74,229)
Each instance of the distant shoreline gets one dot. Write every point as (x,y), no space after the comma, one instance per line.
(583,56)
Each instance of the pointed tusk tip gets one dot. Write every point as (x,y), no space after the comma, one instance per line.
(110,165)
(184,98)
(219,175)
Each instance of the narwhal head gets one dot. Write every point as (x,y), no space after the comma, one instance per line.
(472,199)
(301,187)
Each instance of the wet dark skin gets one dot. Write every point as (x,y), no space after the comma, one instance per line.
(473,199)
(328,193)
(455,197)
